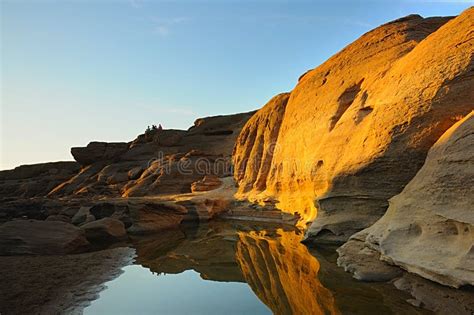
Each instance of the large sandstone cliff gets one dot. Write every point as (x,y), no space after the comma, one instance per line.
(429,228)
(356,129)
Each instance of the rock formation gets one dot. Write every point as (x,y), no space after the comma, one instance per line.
(356,129)
(105,230)
(255,147)
(28,181)
(429,228)
(158,162)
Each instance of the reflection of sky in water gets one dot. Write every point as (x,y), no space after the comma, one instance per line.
(138,291)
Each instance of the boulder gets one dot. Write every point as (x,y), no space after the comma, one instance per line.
(83,215)
(105,230)
(135,173)
(98,151)
(148,218)
(429,227)
(356,129)
(364,262)
(32,237)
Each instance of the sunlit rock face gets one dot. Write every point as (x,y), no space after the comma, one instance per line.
(283,274)
(429,228)
(255,146)
(357,128)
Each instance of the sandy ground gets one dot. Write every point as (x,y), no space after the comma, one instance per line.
(57,284)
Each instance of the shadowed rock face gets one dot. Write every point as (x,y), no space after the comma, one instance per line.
(429,228)
(356,129)
(283,274)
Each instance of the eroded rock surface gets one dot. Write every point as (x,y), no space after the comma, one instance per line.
(255,147)
(356,129)
(28,181)
(429,228)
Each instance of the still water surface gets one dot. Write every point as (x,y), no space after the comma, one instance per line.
(239,268)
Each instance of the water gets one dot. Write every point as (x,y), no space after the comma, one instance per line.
(139,291)
(237,268)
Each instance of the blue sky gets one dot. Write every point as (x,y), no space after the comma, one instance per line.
(76,71)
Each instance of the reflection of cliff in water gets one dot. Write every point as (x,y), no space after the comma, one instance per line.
(207,249)
(283,274)
(278,268)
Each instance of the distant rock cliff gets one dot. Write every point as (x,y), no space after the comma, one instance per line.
(355,130)
(28,181)
(157,162)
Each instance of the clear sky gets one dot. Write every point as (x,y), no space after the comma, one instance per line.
(75,71)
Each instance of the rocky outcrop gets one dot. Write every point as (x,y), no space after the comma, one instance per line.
(158,162)
(28,181)
(255,147)
(32,237)
(152,217)
(357,128)
(99,151)
(429,228)
(106,230)
(175,174)
(435,297)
